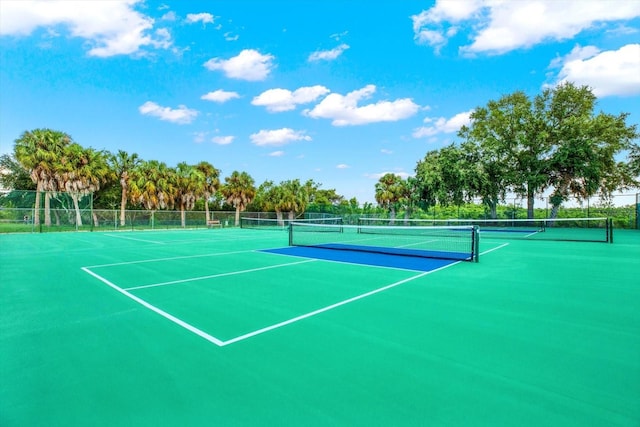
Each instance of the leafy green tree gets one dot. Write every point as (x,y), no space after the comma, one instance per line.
(123,164)
(39,152)
(239,190)
(13,175)
(428,179)
(502,151)
(584,145)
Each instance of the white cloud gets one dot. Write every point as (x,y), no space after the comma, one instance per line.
(276,154)
(443,125)
(502,26)
(181,115)
(230,37)
(277,100)
(328,55)
(220,96)
(342,166)
(125,32)
(385,151)
(205,18)
(608,73)
(343,110)
(223,140)
(248,65)
(278,137)
(169,16)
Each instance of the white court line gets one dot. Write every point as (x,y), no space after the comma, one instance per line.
(212,276)
(331,307)
(494,249)
(162,313)
(170,258)
(221,343)
(137,240)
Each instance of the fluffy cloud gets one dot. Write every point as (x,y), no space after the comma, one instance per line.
(220,96)
(503,26)
(343,110)
(328,55)
(223,140)
(205,18)
(342,166)
(127,31)
(279,153)
(249,65)
(278,137)
(181,115)
(612,72)
(443,125)
(277,100)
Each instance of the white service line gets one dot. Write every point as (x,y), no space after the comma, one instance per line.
(162,313)
(232,273)
(331,307)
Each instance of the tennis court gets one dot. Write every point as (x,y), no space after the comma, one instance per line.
(229,327)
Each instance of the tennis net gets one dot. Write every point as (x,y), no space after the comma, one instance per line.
(561,229)
(449,242)
(283,224)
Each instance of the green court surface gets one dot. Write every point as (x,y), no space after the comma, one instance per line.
(201,328)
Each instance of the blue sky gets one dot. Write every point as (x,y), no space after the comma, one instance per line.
(340,92)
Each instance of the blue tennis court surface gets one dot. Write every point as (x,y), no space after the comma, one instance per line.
(364,258)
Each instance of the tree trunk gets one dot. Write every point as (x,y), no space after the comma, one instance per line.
(392,216)
(206,208)
(123,206)
(530,203)
(47,209)
(36,208)
(279,218)
(183,217)
(76,207)
(237,216)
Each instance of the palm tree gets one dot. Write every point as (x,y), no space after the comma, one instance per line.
(123,164)
(152,184)
(211,184)
(293,197)
(190,184)
(239,190)
(80,172)
(389,191)
(39,152)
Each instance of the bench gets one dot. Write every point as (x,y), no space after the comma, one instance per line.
(213,223)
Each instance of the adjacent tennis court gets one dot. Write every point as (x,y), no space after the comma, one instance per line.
(238,327)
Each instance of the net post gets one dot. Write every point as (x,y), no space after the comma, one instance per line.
(290,227)
(610,230)
(476,244)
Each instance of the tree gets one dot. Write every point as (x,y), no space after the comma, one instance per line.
(584,146)
(428,179)
(13,175)
(39,152)
(502,150)
(190,184)
(123,165)
(634,160)
(80,172)
(211,183)
(293,197)
(152,184)
(238,190)
(389,191)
